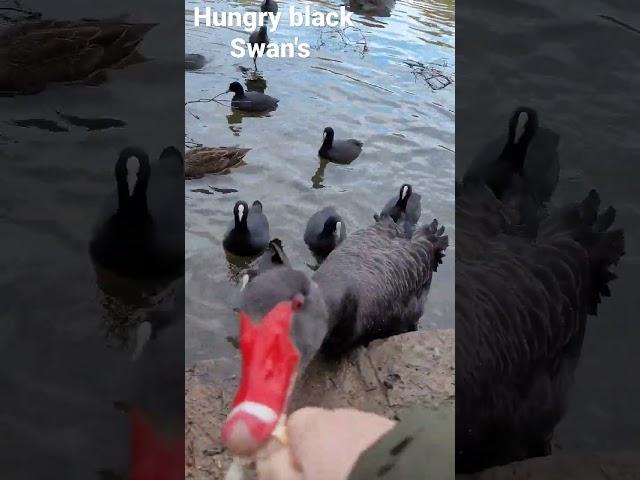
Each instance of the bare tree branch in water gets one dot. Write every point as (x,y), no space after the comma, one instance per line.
(352,37)
(432,73)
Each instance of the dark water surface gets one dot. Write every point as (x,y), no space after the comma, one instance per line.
(66,345)
(407,129)
(576,68)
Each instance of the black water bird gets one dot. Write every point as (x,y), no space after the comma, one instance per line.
(194,61)
(339,151)
(273,256)
(405,207)
(269,6)
(522,305)
(141,233)
(248,101)
(248,233)
(325,231)
(258,38)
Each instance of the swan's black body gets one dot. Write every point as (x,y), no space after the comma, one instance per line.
(522,300)
(248,233)
(374,284)
(339,151)
(141,234)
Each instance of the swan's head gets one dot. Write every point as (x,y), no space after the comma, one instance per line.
(283,321)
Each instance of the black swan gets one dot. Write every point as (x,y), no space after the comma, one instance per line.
(273,256)
(406,207)
(269,6)
(523,296)
(325,231)
(372,286)
(251,101)
(339,151)
(141,234)
(248,232)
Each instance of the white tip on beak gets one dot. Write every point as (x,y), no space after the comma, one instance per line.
(336,232)
(405,190)
(240,211)
(244,282)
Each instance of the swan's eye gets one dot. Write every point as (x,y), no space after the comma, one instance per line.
(297,302)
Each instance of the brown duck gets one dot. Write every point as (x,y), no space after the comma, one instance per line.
(44,51)
(203,161)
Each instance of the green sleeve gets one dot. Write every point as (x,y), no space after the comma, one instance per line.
(420,447)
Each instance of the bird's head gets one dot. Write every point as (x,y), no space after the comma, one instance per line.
(283,321)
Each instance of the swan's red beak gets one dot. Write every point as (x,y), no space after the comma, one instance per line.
(153,456)
(269,362)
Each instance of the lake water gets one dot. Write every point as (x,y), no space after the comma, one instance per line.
(372,95)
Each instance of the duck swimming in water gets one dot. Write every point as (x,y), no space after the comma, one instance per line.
(248,233)
(48,51)
(339,151)
(251,101)
(202,161)
(141,234)
(523,298)
(325,231)
(373,286)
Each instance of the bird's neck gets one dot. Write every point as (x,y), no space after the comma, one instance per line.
(326,143)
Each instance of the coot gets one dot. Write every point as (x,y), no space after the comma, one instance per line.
(248,233)
(325,230)
(339,151)
(251,101)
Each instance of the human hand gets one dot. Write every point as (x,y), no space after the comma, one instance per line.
(323,444)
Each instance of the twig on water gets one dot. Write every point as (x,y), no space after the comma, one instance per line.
(207,100)
(343,37)
(431,73)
